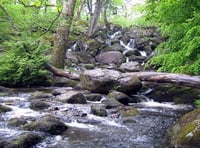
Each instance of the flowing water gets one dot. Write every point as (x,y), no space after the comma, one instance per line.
(146,130)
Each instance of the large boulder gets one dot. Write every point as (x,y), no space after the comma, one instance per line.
(99,80)
(104,80)
(119,96)
(25,140)
(49,124)
(99,110)
(73,97)
(114,57)
(129,84)
(186,132)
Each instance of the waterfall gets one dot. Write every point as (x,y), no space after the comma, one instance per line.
(114,35)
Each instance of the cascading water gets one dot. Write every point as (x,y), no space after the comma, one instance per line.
(130,47)
(145,130)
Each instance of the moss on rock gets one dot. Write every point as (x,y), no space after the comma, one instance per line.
(186,132)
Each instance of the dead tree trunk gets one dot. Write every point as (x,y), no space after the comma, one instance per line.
(181,79)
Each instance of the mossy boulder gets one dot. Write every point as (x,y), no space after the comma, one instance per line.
(173,93)
(128,83)
(49,124)
(119,96)
(40,95)
(93,97)
(4,108)
(186,132)
(131,112)
(17,122)
(25,140)
(99,110)
(72,97)
(99,80)
(39,105)
(104,80)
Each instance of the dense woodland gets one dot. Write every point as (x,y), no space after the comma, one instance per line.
(36,32)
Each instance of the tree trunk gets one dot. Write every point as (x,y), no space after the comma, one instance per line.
(106,23)
(62,33)
(95,17)
(78,16)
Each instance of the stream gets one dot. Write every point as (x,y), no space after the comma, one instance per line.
(145,130)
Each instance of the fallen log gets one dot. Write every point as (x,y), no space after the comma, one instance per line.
(62,73)
(180,79)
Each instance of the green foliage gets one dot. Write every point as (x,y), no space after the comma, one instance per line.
(25,50)
(22,63)
(197,103)
(179,22)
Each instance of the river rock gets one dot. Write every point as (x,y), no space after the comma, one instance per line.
(40,95)
(186,132)
(129,112)
(17,122)
(119,96)
(111,103)
(130,66)
(99,110)
(4,108)
(104,80)
(84,57)
(39,105)
(25,140)
(48,123)
(109,57)
(128,84)
(93,97)
(73,97)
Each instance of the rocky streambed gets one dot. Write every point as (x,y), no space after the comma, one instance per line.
(65,117)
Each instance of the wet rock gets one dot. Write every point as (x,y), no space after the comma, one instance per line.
(119,96)
(173,93)
(85,57)
(73,97)
(128,84)
(40,95)
(109,57)
(25,140)
(93,97)
(48,123)
(98,80)
(17,122)
(130,66)
(4,108)
(129,112)
(99,110)
(71,58)
(111,103)
(186,132)
(39,105)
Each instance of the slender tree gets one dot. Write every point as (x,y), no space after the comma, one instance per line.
(62,33)
(95,17)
